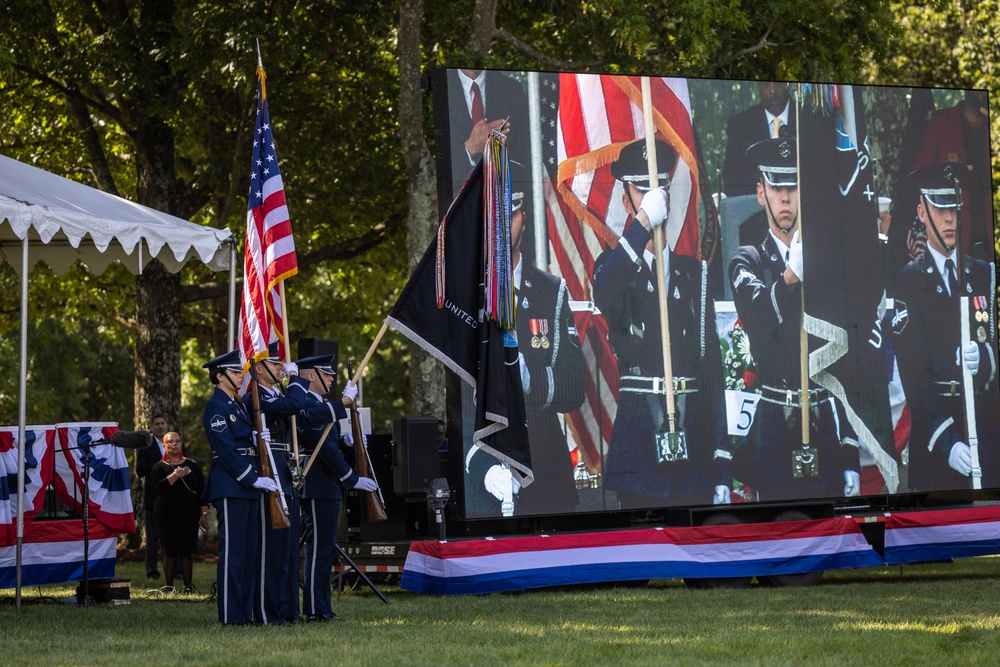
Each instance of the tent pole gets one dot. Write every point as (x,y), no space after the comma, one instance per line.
(231,338)
(21,412)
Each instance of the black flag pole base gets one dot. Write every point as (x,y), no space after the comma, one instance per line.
(360,573)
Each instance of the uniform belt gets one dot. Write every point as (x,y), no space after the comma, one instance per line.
(790,397)
(951,388)
(640,384)
(247,451)
(279,446)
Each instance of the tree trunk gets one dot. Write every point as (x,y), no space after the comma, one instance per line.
(427,375)
(157,345)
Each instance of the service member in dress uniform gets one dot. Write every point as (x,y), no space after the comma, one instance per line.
(642,466)
(930,350)
(276,601)
(767,280)
(551,377)
(234,488)
(324,484)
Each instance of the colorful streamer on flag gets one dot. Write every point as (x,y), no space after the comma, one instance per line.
(269,252)
(500,303)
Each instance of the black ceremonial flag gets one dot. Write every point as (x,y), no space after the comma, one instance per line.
(479,351)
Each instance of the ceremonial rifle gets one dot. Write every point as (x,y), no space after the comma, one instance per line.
(373,501)
(276,499)
(968,388)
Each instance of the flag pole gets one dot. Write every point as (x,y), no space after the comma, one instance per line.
(803,336)
(668,374)
(288,359)
(968,389)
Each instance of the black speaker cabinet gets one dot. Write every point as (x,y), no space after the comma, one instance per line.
(415,454)
(313,347)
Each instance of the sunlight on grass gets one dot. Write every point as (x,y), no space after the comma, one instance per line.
(949,628)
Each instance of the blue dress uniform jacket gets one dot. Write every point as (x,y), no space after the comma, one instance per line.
(321,498)
(237,504)
(276,600)
(771,314)
(926,340)
(626,292)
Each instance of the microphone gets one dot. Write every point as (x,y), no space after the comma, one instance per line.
(127,440)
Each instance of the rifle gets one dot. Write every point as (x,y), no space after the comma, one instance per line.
(373,500)
(276,499)
(968,389)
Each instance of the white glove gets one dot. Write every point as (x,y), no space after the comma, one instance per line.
(365,484)
(721,496)
(654,203)
(525,374)
(348,439)
(970,353)
(852,483)
(351,391)
(265,484)
(291,368)
(795,256)
(500,482)
(960,459)
(266,434)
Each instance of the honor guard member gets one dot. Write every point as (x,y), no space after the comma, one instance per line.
(551,376)
(276,600)
(234,488)
(767,280)
(644,467)
(324,484)
(930,350)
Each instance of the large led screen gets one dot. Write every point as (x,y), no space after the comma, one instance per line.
(830,235)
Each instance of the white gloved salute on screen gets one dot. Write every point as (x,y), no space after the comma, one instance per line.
(960,459)
(722,495)
(654,205)
(525,374)
(365,484)
(265,484)
(795,256)
(852,483)
(350,391)
(500,482)
(969,353)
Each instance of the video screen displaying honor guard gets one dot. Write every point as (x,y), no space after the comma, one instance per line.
(787,293)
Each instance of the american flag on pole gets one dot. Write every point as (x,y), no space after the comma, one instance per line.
(269,253)
(596,116)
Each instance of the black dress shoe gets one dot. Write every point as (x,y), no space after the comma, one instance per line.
(323,618)
(153,576)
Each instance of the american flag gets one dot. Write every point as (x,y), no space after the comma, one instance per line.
(269,253)
(587,119)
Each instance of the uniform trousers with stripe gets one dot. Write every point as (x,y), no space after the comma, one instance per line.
(317,563)
(276,599)
(239,555)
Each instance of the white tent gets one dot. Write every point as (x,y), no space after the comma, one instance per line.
(59,221)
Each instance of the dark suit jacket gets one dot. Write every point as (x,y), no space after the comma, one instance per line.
(145,459)
(744,129)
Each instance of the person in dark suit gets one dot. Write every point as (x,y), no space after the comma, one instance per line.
(324,484)
(931,351)
(772,117)
(145,459)
(767,280)
(276,601)
(234,488)
(551,376)
(487,101)
(642,468)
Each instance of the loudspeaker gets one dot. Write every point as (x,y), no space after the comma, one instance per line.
(414,454)
(313,347)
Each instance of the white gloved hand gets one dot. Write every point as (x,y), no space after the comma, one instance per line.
(291,368)
(365,484)
(852,483)
(970,354)
(500,482)
(525,374)
(654,203)
(795,256)
(348,439)
(266,434)
(351,391)
(721,496)
(960,459)
(265,484)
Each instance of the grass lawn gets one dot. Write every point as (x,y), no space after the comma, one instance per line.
(928,614)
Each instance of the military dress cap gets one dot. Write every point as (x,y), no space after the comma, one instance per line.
(520,185)
(632,166)
(776,160)
(272,353)
(322,363)
(228,361)
(939,183)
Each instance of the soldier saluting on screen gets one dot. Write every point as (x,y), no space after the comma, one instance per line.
(643,467)
(932,352)
(766,281)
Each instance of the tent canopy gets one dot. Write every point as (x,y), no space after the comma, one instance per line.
(56,214)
